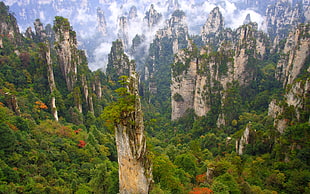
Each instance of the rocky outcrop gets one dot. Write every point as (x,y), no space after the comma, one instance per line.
(202,77)
(123,31)
(167,42)
(213,26)
(101,22)
(73,65)
(40,31)
(133,13)
(281,18)
(295,54)
(51,82)
(244,140)
(183,85)
(8,27)
(67,52)
(135,173)
(293,71)
(247,19)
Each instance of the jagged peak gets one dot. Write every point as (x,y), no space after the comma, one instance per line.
(214,23)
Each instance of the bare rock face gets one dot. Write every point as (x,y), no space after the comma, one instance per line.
(9,27)
(40,31)
(296,52)
(244,140)
(176,30)
(282,17)
(122,34)
(293,71)
(51,81)
(135,173)
(183,86)
(247,19)
(200,79)
(66,48)
(167,42)
(213,26)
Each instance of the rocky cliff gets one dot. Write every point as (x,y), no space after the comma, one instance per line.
(213,27)
(8,27)
(204,78)
(168,40)
(293,72)
(135,174)
(217,78)
(282,17)
(66,47)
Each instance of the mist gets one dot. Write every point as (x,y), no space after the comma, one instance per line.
(82,15)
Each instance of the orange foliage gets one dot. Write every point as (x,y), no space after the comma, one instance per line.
(202,190)
(201,178)
(77,131)
(82,143)
(40,105)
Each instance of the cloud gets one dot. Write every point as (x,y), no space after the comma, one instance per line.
(83,18)
(101,56)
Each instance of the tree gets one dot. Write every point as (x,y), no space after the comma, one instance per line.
(7,137)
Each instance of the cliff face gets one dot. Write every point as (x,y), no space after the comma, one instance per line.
(295,53)
(213,27)
(167,42)
(8,27)
(204,77)
(293,72)
(135,174)
(282,17)
(67,53)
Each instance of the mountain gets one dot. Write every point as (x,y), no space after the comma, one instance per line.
(196,97)
(99,22)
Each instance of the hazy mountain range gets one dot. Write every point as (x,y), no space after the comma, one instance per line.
(83,15)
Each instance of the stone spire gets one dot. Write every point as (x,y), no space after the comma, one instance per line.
(214,24)
(135,175)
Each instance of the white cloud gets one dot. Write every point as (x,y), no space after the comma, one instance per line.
(101,56)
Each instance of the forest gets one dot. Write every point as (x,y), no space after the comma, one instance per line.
(76,153)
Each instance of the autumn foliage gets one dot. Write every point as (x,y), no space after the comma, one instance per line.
(81,144)
(40,105)
(201,178)
(202,190)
